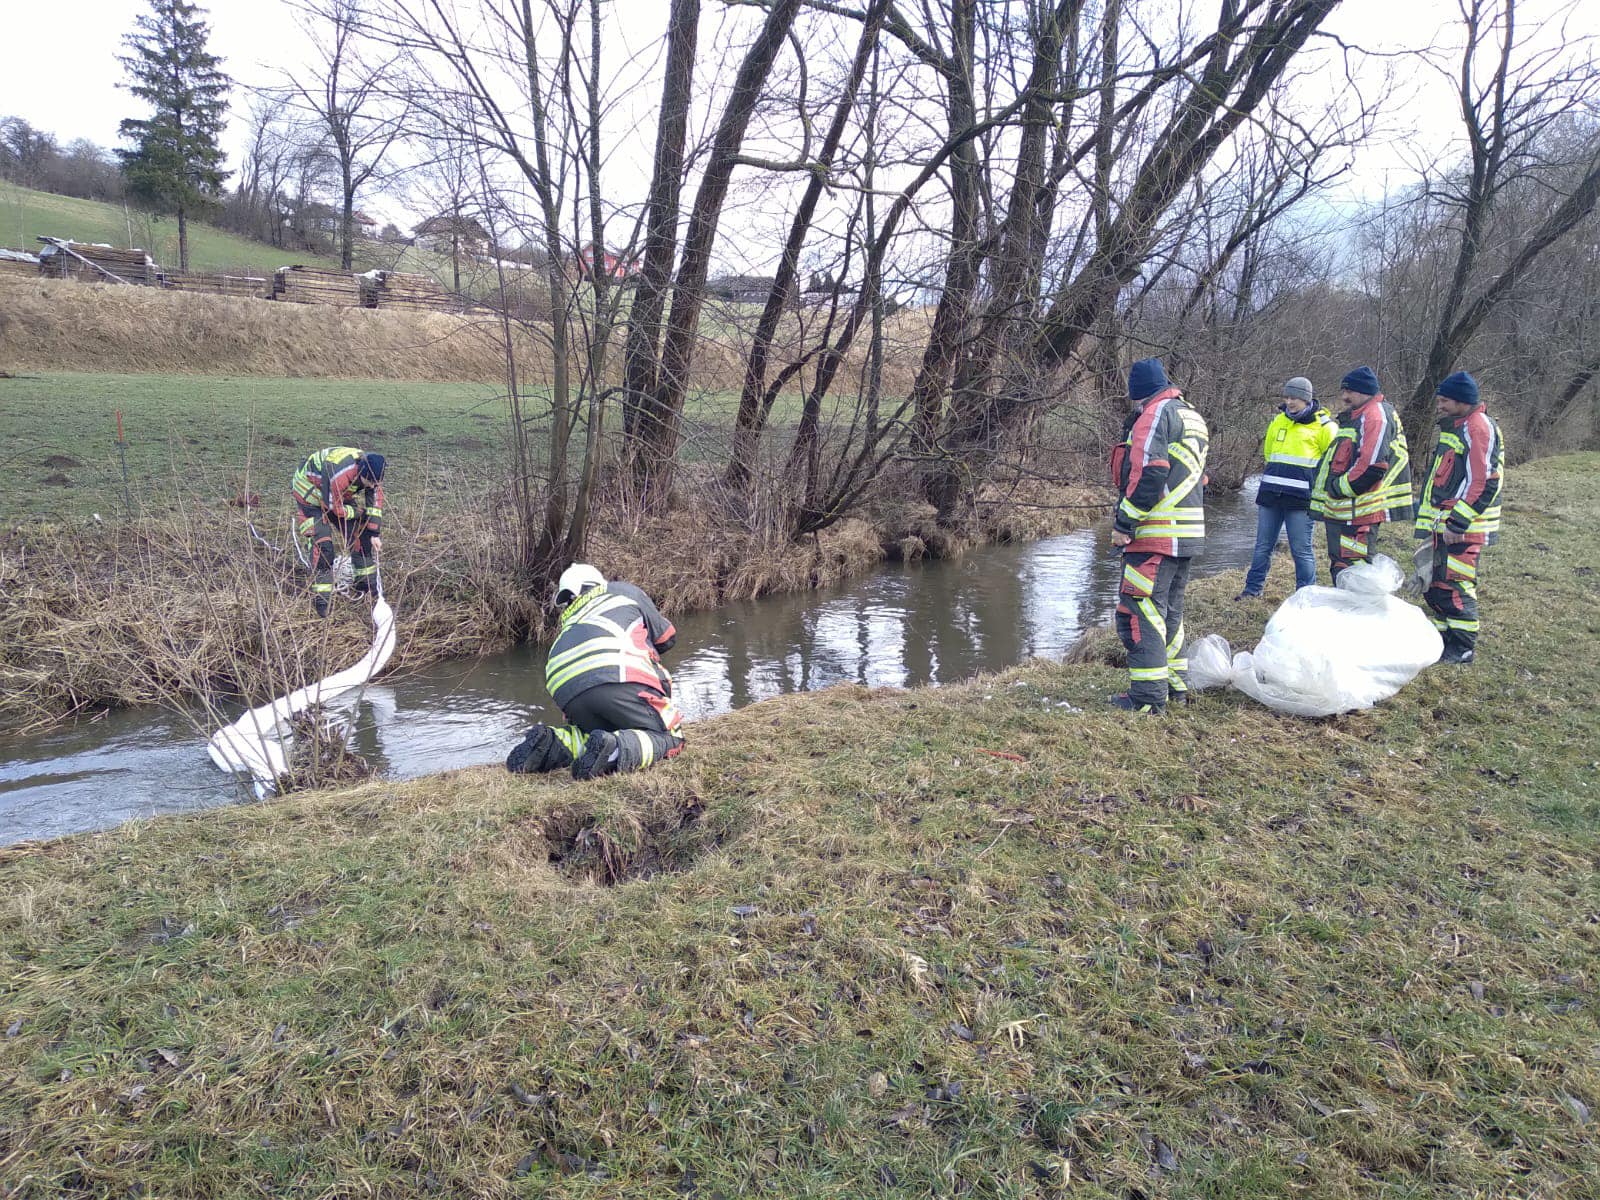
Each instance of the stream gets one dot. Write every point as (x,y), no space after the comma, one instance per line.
(903,626)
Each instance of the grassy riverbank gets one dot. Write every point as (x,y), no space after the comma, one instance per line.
(849,946)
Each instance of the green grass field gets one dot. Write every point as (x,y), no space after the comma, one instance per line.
(211,438)
(26,215)
(960,942)
(208,438)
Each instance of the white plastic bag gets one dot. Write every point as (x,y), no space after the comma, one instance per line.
(1210,663)
(1333,650)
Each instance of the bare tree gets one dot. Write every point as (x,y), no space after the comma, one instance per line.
(660,408)
(1510,99)
(353,97)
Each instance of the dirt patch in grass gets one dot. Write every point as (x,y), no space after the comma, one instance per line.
(55,479)
(586,847)
(63,461)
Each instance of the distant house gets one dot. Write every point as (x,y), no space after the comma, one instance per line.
(613,267)
(741,289)
(317,217)
(313,226)
(453,234)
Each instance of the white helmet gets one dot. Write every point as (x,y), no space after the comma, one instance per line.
(575,580)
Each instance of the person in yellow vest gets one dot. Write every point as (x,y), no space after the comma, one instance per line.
(340,488)
(1296,440)
(1460,511)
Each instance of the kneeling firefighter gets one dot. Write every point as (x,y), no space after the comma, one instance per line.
(340,488)
(605,675)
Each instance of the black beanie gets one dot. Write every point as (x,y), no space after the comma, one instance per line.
(1460,387)
(1363,380)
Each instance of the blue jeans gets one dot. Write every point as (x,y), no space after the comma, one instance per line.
(1296,522)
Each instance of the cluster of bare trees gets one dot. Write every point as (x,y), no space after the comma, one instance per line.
(34,158)
(1048,188)
(1028,170)
(1059,186)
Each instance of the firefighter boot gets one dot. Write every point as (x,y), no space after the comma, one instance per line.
(319,603)
(538,751)
(1128,704)
(600,755)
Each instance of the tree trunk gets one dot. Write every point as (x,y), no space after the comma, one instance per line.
(976,415)
(183,238)
(658,441)
(752,412)
(661,222)
(578,531)
(961,265)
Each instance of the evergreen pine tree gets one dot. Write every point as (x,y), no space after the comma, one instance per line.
(175,165)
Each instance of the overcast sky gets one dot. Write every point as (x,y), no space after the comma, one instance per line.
(76,94)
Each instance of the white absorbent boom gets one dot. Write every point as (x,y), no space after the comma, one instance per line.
(254,744)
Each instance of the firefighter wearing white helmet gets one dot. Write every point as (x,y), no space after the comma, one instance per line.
(604,673)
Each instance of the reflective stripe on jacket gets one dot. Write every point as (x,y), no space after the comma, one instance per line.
(1365,475)
(330,479)
(1292,449)
(1159,470)
(1463,489)
(610,635)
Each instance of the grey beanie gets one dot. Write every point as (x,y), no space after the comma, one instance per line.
(1299,388)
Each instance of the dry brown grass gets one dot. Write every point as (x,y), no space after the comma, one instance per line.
(149,612)
(61,325)
(64,325)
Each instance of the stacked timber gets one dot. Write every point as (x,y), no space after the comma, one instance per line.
(406,289)
(18,262)
(312,285)
(258,287)
(95,262)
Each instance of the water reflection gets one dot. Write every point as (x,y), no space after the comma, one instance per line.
(905,626)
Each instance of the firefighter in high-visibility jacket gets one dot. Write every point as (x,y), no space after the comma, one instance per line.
(604,673)
(1460,511)
(1364,478)
(1160,524)
(340,489)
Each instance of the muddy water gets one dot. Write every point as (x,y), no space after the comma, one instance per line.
(904,626)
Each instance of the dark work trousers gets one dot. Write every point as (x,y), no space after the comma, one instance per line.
(1452,593)
(645,721)
(1348,545)
(317,527)
(1150,624)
